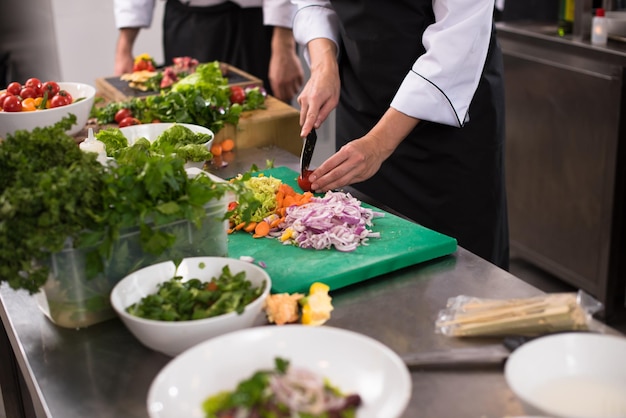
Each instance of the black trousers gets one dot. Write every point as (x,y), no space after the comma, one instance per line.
(226,33)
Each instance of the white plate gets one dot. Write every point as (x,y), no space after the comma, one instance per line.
(353,362)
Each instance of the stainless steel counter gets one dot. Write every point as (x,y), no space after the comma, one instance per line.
(103,371)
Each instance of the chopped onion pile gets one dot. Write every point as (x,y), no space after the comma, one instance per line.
(337,219)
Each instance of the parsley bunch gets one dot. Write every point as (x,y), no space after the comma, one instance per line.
(52,195)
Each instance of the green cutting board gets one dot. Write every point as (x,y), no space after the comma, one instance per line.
(292,269)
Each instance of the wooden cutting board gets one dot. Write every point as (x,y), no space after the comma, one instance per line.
(401,244)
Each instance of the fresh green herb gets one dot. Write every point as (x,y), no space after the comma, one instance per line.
(178,300)
(53,196)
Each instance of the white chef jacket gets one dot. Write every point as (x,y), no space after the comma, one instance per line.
(441,83)
(139,13)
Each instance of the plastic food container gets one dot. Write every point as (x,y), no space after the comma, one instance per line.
(71,300)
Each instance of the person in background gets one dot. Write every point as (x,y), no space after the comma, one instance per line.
(252,35)
(418,88)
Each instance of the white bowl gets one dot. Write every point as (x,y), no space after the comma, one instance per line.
(151,131)
(172,338)
(13,121)
(573,375)
(353,362)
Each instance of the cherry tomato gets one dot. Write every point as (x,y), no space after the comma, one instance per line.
(304,182)
(34,83)
(28,92)
(4,96)
(122,114)
(67,96)
(52,87)
(28,104)
(14,88)
(12,104)
(58,101)
(237,95)
(129,121)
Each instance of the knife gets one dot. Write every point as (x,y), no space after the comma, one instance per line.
(493,355)
(307,152)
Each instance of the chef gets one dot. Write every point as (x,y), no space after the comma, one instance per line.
(418,91)
(243,33)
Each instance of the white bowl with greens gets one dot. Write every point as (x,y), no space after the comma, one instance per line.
(228,295)
(191,142)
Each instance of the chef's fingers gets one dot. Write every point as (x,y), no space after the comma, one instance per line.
(356,161)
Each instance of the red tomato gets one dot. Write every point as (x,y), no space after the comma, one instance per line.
(58,101)
(129,121)
(237,95)
(14,88)
(28,92)
(4,96)
(52,87)
(34,83)
(122,114)
(304,182)
(67,96)
(12,104)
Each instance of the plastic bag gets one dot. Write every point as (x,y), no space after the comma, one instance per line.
(467,316)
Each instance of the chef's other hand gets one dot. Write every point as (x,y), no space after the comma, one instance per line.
(320,94)
(285,71)
(356,161)
(361,158)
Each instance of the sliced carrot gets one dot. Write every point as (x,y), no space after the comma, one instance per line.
(276,222)
(216,150)
(262,229)
(250,227)
(239,226)
(228,145)
(289,201)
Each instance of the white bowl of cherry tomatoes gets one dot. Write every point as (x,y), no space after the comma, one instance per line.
(37,104)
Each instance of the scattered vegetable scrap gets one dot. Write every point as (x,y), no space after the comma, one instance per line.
(314,309)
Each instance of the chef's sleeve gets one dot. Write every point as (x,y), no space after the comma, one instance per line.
(133,13)
(442,82)
(315,19)
(278,13)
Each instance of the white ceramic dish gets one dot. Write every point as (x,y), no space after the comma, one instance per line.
(151,131)
(12,121)
(171,338)
(573,375)
(353,362)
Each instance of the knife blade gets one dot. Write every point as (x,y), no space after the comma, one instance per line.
(493,355)
(308,147)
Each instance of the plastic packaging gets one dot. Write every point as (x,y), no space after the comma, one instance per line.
(71,300)
(599,28)
(466,316)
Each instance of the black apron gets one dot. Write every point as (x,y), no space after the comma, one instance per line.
(226,33)
(445,178)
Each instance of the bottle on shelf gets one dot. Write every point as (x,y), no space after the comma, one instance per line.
(566,17)
(599,30)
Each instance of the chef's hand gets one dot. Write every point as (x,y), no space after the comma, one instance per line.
(285,71)
(361,158)
(320,94)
